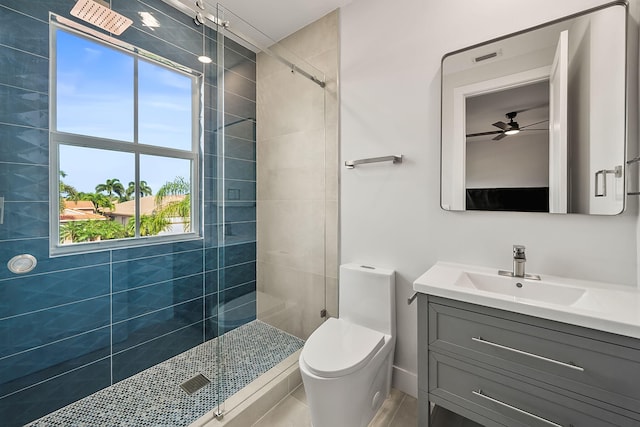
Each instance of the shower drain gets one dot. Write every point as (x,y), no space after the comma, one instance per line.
(194,384)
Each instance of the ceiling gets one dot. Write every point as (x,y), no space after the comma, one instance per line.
(531,102)
(275,18)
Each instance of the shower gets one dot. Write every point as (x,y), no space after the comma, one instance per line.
(97,12)
(115,330)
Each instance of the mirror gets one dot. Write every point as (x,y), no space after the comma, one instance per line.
(536,121)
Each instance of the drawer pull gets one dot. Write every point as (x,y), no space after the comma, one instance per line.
(506,405)
(546,359)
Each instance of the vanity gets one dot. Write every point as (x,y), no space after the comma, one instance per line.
(508,351)
(534,121)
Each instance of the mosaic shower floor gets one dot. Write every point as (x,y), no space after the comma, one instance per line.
(154,398)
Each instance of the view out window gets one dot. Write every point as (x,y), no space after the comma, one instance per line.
(124,146)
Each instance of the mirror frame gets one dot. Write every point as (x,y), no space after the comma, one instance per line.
(533,75)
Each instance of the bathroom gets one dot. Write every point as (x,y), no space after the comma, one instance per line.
(389,215)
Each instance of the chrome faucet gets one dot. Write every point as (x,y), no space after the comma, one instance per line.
(519,258)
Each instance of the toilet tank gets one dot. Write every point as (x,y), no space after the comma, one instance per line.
(367,297)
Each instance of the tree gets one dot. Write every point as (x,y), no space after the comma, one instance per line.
(100,201)
(144,190)
(176,208)
(91,230)
(110,187)
(66,191)
(179,186)
(150,225)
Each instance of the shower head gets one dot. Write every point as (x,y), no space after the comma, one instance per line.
(98,13)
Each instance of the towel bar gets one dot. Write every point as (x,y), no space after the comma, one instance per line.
(350,164)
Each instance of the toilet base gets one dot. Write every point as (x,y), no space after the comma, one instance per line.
(353,400)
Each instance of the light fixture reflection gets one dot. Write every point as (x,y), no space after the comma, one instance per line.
(205,59)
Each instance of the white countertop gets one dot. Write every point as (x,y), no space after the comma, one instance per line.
(603,306)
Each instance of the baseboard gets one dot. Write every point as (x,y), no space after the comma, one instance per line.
(405,381)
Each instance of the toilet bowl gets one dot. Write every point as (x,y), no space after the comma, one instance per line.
(346,363)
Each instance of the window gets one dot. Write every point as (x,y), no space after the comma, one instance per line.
(124,146)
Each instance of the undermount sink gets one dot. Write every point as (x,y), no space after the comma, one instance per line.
(537,290)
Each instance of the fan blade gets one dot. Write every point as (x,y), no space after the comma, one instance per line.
(502,125)
(534,129)
(533,124)
(533,107)
(499,137)
(493,132)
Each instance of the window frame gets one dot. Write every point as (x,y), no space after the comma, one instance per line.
(58,138)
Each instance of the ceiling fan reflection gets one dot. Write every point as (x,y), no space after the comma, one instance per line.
(507,129)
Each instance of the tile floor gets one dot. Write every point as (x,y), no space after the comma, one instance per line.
(399,410)
(154,398)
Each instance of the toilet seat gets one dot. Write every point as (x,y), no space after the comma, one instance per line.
(338,348)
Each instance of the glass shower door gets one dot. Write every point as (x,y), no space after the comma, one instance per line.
(272,208)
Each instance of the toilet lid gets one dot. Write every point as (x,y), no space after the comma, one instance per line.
(338,348)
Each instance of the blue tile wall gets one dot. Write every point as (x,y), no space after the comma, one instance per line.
(78,323)
(23,107)
(23,183)
(24,70)
(237,254)
(25,294)
(238,190)
(237,307)
(240,212)
(29,403)
(27,368)
(239,85)
(42,327)
(144,271)
(24,32)
(240,148)
(239,106)
(25,220)
(23,144)
(238,275)
(150,298)
(238,232)
(143,329)
(152,352)
(211,282)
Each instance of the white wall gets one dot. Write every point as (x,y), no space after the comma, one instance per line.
(521,161)
(390,214)
(578,113)
(605,113)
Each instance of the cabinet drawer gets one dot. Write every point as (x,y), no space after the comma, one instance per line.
(596,368)
(495,399)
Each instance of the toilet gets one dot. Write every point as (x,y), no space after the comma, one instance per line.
(346,363)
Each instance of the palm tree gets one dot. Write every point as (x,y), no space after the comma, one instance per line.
(111,186)
(66,191)
(177,208)
(144,190)
(179,186)
(150,225)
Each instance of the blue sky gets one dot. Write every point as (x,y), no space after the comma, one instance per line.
(95,97)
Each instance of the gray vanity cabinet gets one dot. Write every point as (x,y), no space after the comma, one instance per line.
(500,368)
